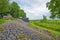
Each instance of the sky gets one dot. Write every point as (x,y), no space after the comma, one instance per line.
(34,9)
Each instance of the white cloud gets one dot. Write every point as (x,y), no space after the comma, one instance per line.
(35,9)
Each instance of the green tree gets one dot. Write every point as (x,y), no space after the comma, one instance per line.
(54,7)
(4,7)
(22,14)
(44,17)
(15,10)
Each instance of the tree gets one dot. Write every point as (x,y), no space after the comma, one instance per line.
(22,14)
(44,17)
(16,12)
(54,7)
(4,7)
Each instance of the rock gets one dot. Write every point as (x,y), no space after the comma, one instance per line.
(19,28)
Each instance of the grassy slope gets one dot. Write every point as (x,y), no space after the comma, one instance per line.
(50,25)
(4,19)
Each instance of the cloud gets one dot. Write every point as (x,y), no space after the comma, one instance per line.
(35,9)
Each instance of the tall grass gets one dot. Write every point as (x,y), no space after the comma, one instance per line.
(51,25)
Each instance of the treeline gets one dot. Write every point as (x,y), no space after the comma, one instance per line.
(11,8)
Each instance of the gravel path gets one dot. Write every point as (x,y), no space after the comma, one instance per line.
(20,30)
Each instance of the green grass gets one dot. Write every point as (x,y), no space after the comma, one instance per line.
(2,20)
(51,25)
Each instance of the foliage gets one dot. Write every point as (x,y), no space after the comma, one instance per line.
(51,25)
(4,7)
(44,18)
(16,12)
(11,8)
(21,36)
(54,7)
(22,13)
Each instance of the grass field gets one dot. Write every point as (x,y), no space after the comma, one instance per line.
(2,20)
(50,25)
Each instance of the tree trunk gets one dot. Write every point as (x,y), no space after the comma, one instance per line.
(1,15)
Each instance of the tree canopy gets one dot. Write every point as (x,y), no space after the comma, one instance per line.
(22,14)
(4,7)
(11,8)
(16,12)
(54,7)
(44,17)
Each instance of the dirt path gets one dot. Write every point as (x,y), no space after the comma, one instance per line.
(18,27)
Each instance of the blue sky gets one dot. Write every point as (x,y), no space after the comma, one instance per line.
(35,9)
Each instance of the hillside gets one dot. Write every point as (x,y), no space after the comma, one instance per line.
(20,30)
(50,25)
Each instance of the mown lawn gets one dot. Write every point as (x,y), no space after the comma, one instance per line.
(50,25)
(2,20)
